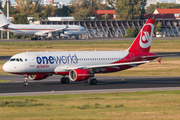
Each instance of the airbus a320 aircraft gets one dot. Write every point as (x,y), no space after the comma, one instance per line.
(81,66)
(40,30)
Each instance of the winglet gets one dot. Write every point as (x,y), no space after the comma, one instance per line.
(159,60)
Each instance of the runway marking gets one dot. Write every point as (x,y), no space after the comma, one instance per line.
(89,91)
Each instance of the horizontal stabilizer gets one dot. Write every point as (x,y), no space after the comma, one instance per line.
(156,56)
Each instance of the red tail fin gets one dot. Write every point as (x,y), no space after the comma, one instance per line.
(142,43)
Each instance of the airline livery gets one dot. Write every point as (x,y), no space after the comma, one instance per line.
(81,66)
(40,30)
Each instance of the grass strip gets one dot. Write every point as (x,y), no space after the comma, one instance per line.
(5,81)
(11,48)
(125,105)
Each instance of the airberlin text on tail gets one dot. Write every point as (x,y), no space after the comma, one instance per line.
(142,43)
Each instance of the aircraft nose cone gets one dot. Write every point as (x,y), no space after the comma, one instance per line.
(6,67)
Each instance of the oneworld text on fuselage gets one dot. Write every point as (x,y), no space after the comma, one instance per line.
(69,59)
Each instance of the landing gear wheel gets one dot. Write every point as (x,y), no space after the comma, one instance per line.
(77,37)
(92,81)
(62,80)
(65,80)
(39,38)
(25,83)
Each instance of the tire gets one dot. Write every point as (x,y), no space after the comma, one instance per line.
(90,81)
(62,80)
(25,83)
(93,81)
(66,80)
(76,37)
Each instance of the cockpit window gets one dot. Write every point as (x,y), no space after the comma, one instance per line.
(21,60)
(13,59)
(16,59)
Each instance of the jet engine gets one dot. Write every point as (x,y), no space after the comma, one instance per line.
(80,74)
(68,32)
(38,77)
(63,35)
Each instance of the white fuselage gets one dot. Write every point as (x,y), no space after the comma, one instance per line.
(21,29)
(57,62)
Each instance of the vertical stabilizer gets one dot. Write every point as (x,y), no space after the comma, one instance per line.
(142,43)
(3,20)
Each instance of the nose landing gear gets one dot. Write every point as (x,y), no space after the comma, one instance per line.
(25,83)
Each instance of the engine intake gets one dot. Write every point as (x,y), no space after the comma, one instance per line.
(80,74)
(38,77)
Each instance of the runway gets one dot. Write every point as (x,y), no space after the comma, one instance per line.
(52,84)
(106,84)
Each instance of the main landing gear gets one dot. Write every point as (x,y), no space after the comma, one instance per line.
(65,80)
(92,81)
(25,83)
(77,37)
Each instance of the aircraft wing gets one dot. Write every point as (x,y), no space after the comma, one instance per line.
(39,33)
(4,25)
(133,64)
(57,30)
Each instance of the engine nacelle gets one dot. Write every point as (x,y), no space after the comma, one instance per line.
(38,77)
(63,35)
(68,32)
(80,75)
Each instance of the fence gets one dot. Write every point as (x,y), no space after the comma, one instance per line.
(117,28)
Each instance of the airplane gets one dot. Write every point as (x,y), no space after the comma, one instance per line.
(83,65)
(40,30)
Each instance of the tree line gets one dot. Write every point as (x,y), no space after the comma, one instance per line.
(79,9)
(84,9)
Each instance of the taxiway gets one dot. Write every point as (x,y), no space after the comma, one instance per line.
(105,84)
